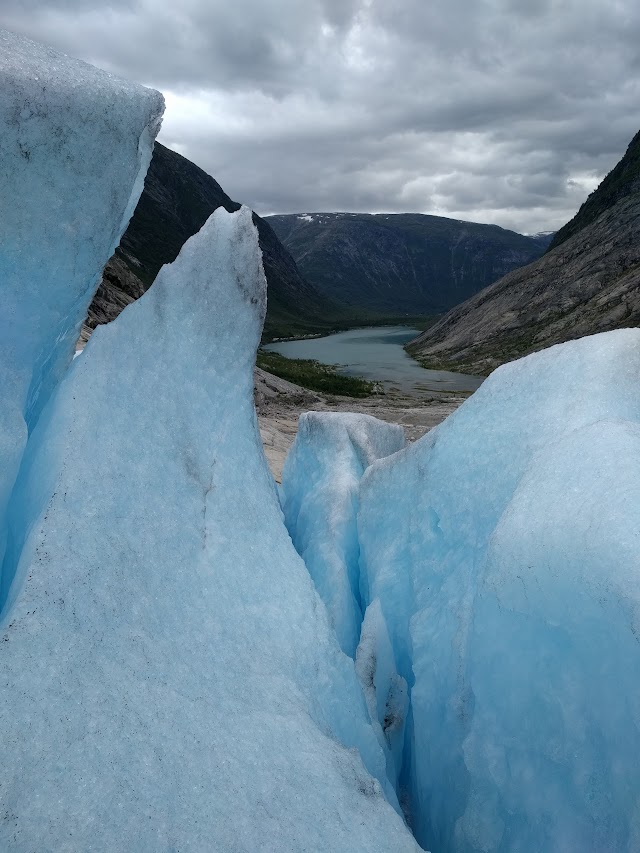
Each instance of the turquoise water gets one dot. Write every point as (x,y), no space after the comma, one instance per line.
(377,354)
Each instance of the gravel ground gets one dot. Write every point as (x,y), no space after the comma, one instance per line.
(279,403)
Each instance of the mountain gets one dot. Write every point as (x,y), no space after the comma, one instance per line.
(177,199)
(589,281)
(622,181)
(405,263)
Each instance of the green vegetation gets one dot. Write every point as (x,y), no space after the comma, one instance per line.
(483,358)
(311,374)
(279,325)
(469,368)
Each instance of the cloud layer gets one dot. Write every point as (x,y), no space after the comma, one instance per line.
(504,111)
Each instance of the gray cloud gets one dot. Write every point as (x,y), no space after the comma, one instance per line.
(505,111)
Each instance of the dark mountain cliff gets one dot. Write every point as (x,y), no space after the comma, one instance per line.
(622,181)
(589,281)
(177,199)
(401,263)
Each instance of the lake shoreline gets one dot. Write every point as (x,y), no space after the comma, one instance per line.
(376,354)
(312,335)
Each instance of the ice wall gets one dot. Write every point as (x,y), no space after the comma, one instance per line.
(320,498)
(75,144)
(320,488)
(385,691)
(504,550)
(168,676)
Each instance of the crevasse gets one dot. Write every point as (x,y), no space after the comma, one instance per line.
(168,675)
(501,553)
(166,644)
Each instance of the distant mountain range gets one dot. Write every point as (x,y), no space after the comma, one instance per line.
(404,263)
(177,199)
(589,281)
(324,271)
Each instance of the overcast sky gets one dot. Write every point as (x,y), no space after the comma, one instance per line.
(503,111)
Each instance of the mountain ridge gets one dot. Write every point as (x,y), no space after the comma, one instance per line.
(177,199)
(587,282)
(404,262)
(623,180)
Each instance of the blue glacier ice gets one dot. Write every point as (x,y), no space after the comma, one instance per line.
(169,679)
(75,144)
(464,635)
(320,489)
(385,690)
(503,551)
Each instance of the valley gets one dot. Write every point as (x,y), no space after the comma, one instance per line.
(387,606)
(325,272)
(377,355)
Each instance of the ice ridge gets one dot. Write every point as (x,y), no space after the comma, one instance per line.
(507,572)
(498,575)
(75,146)
(166,662)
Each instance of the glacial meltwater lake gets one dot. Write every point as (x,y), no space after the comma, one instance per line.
(377,354)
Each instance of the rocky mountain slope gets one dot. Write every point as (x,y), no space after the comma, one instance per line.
(401,263)
(622,181)
(177,199)
(589,281)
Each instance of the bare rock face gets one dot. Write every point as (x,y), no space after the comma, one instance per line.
(588,282)
(119,287)
(405,263)
(177,199)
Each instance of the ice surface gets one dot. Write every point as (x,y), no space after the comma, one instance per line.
(320,485)
(75,144)
(567,648)
(504,551)
(385,691)
(168,676)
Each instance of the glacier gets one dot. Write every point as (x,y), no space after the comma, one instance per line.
(503,550)
(320,499)
(460,640)
(320,494)
(75,146)
(386,694)
(169,678)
